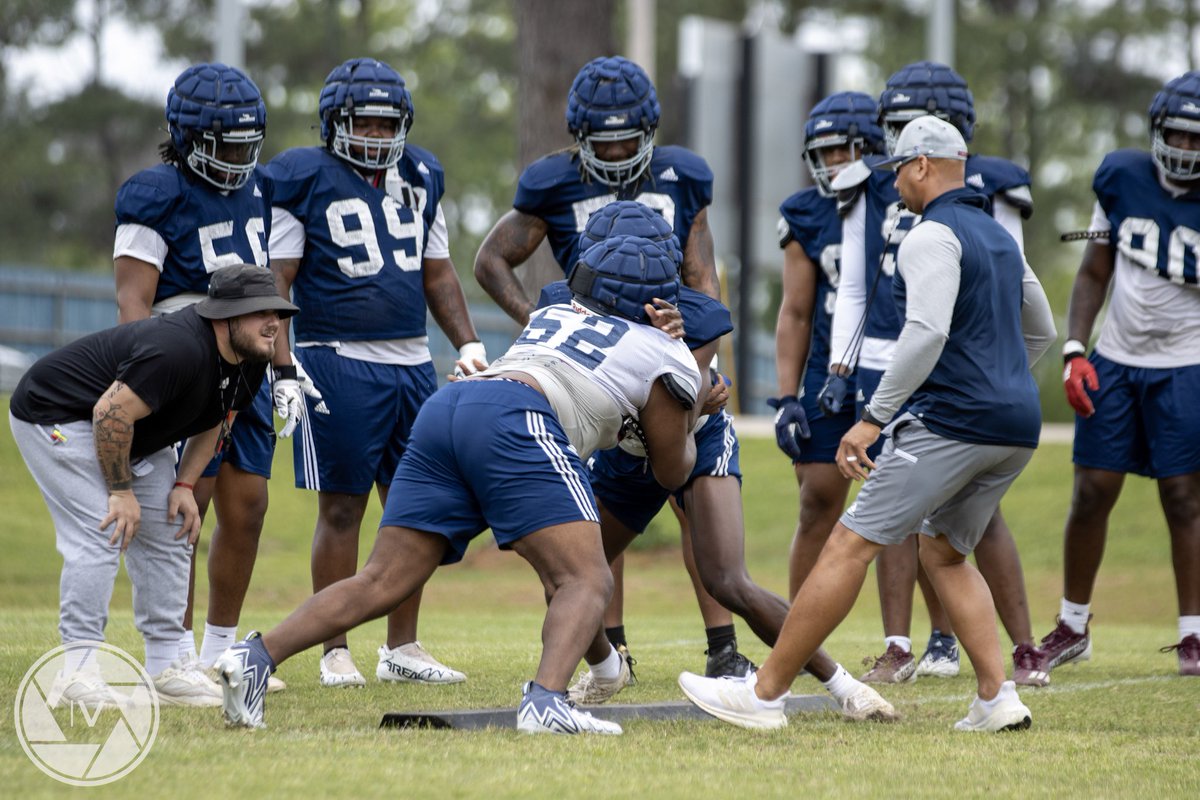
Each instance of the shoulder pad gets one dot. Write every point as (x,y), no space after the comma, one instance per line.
(679,390)
(683,160)
(554,294)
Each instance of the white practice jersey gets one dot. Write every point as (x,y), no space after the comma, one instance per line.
(596,370)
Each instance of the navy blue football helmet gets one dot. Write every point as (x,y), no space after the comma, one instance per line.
(925,87)
(612,99)
(630,218)
(845,119)
(618,276)
(369,88)
(217,121)
(1176,107)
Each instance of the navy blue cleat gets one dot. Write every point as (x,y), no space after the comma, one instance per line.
(242,671)
(544,711)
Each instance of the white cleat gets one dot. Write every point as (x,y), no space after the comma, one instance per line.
(412,663)
(733,700)
(590,690)
(337,669)
(1007,713)
(864,703)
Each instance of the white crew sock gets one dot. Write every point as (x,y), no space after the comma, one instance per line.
(1189,626)
(217,639)
(841,685)
(187,648)
(79,658)
(903,642)
(610,667)
(1075,615)
(160,655)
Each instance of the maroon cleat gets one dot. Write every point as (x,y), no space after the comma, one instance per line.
(1189,654)
(1063,645)
(894,666)
(1030,666)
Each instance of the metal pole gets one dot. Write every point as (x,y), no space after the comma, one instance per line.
(939,32)
(639,33)
(228,23)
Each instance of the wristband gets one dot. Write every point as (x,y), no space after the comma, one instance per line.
(866,417)
(1073,348)
(285,372)
(184,485)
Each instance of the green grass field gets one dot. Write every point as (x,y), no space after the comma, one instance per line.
(1121,725)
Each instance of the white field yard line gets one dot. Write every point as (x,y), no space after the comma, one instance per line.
(757,427)
(1071,688)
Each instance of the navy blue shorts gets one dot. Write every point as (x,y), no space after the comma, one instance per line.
(1145,421)
(487,453)
(827,432)
(626,486)
(355,437)
(252,440)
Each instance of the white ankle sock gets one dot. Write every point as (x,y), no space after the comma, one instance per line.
(79,658)
(610,667)
(217,639)
(1189,626)
(187,647)
(903,642)
(841,685)
(1075,615)
(160,655)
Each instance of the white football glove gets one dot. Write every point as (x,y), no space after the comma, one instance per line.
(288,394)
(470,356)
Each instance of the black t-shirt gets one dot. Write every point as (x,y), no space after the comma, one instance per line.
(171,362)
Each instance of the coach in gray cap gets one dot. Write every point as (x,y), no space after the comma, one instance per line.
(95,422)
(975,319)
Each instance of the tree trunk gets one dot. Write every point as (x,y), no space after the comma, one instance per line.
(554,39)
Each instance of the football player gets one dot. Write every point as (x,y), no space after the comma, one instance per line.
(613,113)
(359,238)
(840,130)
(874,224)
(628,495)
(1131,395)
(504,449)
(207,207)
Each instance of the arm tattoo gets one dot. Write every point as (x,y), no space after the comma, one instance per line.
(446,301)
(113,434)
(699,269)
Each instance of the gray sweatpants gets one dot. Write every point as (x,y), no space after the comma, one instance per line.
(68,473)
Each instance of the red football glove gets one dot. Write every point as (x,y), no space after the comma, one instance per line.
(1079,377)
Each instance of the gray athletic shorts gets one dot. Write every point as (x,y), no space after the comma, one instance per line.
(932,485)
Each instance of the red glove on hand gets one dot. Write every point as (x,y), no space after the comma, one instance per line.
(1079,377)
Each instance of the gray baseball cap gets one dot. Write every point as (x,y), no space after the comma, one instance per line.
(926,136)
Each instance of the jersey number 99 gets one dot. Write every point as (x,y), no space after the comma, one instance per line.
(409,233)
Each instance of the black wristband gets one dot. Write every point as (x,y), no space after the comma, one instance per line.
(866,417)
(285,372)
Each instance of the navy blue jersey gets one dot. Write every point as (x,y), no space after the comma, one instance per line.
(812,221)
(360,277)
(986,175)
(204,229)
(678,183)
(1153,229)
(704,319)
(981,389)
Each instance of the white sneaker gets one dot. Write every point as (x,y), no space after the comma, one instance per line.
(412,663)
(83,687)
(337,669)
(544,711)
(275,685)
(734,701)
(180,685)
(1007,713)
(864,703)
(590,690)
